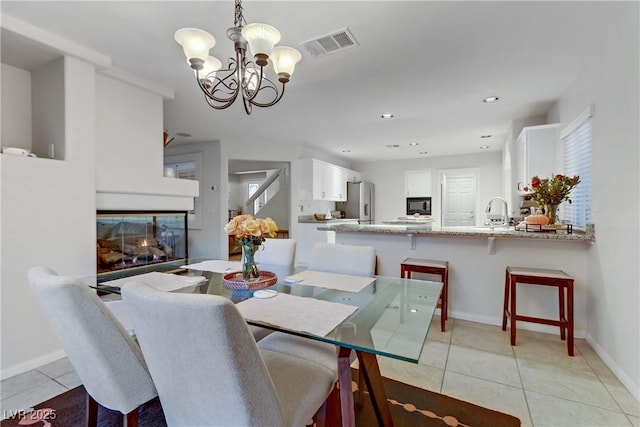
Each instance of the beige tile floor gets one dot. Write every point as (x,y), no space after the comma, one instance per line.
(535,381)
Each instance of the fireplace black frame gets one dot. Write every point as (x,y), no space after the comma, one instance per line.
(126,262)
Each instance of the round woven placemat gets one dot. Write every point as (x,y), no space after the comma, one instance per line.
(234,280)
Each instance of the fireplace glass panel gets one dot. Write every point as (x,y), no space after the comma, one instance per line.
(134,239)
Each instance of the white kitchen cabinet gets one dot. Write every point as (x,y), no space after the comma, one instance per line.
(320,180)
(536,153)
(418,183)
(353,176)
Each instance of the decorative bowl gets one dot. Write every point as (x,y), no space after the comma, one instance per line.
(234,280)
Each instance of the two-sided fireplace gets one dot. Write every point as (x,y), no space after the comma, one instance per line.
(133,239)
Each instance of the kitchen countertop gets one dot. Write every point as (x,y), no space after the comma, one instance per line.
(305,220)
(427,230)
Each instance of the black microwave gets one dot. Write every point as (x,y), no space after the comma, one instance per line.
(419,205)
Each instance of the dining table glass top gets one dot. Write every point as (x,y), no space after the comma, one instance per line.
(391,318)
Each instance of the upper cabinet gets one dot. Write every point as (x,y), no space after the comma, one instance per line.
(353,176)
(418,183)
(324,181)
(536,153)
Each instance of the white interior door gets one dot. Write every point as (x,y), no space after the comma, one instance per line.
(458,200)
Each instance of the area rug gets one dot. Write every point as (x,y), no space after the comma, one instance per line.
(410,407)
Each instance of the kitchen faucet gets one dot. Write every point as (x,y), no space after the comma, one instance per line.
(504,218)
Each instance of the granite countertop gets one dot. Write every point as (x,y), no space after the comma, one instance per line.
(310,219)
(427,230)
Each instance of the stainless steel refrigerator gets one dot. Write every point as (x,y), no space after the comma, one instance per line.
(359,204)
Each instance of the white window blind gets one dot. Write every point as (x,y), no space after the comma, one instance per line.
(577,161)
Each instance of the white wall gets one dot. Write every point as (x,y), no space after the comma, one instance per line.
(48,100)
(389,180)
(48,218)
(129,156)
(611,85)
(204,241)
(15,129)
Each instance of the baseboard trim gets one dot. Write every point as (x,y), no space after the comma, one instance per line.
(23,367)
(634,389)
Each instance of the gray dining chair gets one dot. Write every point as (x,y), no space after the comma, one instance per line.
(209,370)
(108,361)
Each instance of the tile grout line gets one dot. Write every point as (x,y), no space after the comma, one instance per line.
(524,391)
(446,360)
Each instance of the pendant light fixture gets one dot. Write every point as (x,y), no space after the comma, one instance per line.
(242,76)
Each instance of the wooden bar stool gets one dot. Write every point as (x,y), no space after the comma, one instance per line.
(544,277)
(431,266)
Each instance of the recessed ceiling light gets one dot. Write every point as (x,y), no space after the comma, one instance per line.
(484,147)
(413,144)
(423,152)
(485,136)
(490,99)
(392,146)
(387,116)
(185,135)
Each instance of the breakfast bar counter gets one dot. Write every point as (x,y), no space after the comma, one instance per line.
(478,258)
(418,230)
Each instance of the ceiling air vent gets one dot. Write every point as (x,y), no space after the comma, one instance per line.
(337,40)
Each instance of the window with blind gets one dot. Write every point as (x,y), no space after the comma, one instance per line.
(577,161)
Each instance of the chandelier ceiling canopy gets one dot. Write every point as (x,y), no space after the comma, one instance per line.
(242,76)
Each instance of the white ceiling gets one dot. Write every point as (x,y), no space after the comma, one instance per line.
(429,63)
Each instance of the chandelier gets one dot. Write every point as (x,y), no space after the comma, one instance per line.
(242,76)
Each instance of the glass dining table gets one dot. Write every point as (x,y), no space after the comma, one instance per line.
(391,318)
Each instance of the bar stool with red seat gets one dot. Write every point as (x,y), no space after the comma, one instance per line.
(544,277)
(431,266)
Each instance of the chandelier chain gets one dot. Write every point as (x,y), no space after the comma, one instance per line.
(239,20)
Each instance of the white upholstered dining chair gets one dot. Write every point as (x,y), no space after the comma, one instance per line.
(108,361)
(344,259)
(277,252)
(209,370)
(341,259)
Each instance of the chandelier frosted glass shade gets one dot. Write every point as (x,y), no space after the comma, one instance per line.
(196,44)
(284,60)
(241,77)
(261,39)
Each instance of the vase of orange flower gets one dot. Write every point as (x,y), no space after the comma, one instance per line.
(550,192)
(250,233)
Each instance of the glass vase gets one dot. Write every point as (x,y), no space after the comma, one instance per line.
(552,213)
(250,270)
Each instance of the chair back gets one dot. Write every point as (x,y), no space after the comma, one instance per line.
(277,252)
(107,360)
(203,359)
(344,259)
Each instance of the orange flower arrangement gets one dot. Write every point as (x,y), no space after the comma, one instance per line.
(250,233)
(249,228)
